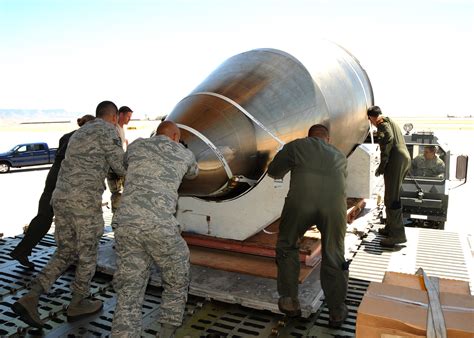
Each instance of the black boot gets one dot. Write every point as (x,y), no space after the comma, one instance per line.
(396,234)
(337,318)
(289,306)
(390,242)
(22,259)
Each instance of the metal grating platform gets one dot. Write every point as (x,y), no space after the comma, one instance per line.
(440,253)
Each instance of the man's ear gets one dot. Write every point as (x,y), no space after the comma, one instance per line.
(176,137)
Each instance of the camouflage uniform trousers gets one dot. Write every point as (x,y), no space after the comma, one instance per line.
(115,184)
(137,249)
(79,227)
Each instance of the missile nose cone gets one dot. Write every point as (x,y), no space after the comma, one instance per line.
(237,119)
(218,161)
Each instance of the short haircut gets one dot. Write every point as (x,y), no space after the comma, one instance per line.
(125,109)
(106,108)
(167,128)
(431,148)
(374,111)
(318,130)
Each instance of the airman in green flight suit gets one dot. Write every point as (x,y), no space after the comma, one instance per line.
(317,196)
(394,166)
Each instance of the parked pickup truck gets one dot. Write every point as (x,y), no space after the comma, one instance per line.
(27,154)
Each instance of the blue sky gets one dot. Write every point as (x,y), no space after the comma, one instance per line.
(149,54)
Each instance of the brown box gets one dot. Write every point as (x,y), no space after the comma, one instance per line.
(397,311)
(416,282)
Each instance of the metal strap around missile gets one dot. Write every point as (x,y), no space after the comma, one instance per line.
(360,81)
(245,112)
(210,145)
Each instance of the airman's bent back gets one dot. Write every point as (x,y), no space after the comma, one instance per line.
(147,232)
(317,196)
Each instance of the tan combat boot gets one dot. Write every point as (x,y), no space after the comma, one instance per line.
(167,330)
(82,307)
(27,307)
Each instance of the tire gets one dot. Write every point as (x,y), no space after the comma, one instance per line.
(4,167)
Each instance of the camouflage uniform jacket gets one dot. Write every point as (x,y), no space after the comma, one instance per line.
(428,168)
(92,150)
(156,167)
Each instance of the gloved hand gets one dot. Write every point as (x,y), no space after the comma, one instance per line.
(379,172)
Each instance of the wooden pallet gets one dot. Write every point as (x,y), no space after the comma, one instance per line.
(256,255)
(239,262)
(261,244)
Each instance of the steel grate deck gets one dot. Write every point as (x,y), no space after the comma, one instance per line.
(440,253)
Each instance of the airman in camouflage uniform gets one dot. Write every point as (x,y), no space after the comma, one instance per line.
(76,202)
(428,164)
(114,181)
(147,232)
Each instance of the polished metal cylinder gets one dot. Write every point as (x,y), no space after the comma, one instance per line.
(241,114)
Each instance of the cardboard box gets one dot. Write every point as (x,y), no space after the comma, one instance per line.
(397,311)
(416,282)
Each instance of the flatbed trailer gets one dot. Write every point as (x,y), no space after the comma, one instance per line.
(235,305)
